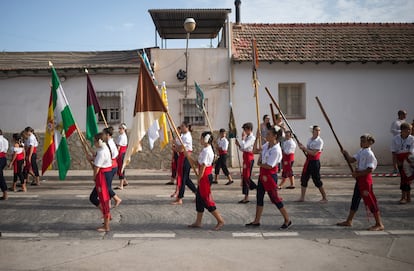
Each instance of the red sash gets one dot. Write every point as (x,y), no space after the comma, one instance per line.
(114,162)
(180,166)
(120,159)
(102,189)
(2,154)
(269,183)
(221,152)
(287,165)
(204,187)
(309,157)
(247,158)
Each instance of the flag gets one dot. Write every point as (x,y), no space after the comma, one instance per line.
(92,108)
(163,119)
(48,145)
(199,97)
(63,125)
(232,125)
(148,108)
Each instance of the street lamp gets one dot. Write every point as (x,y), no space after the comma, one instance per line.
(189,26)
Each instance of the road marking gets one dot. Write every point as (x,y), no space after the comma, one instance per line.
(29,234)
(368,233)
(280,234)
(163,196)
(21,195)
(247,234)
(144,235)
(401,232)
(82,196)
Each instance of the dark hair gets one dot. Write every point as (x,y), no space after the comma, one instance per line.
(101,137)
(402,112)
(265,116)
(405,126)
(248,125)
(109,130)
(188,125)
(29,129)
(204,134)
(1,132)
(278,133)
(18,138)
(222,130)
(368,137)
(315,126)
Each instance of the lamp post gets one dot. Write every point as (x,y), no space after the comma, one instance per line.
(189,26)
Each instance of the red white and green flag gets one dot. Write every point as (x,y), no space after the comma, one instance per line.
(92,108)
(61,125)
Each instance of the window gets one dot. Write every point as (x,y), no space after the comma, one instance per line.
(111,105)
(190,112)
(292,100)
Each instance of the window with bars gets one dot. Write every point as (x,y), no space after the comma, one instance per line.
(292,99)
(111,105)
(191,113)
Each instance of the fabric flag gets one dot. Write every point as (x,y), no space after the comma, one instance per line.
(232,125)
(148,108)
(63,125)
(92,108)
(163,119)
(199,98)
(49,146)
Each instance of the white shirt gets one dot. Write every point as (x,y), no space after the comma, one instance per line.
(187,140)
(114,149)
(271,156)
(248,143)
(289,146)
(4,144)
(122,140)
(206,156)
(395,127)
(365,159)
(18,150)
(315,144)
(103,157)
(223,143)
(32,141)
(400,145)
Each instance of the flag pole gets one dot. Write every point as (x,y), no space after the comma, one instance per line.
(256,88)
(330,126)
(283,116)
(172,124)
(102,114)
(208,119)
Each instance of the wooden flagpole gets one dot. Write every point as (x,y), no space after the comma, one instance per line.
(283,116)
(330,126)
(256,89)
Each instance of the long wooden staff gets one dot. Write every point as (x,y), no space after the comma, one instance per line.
(330,125)
(235,136)
(273,114)
(283,117)
(172,124)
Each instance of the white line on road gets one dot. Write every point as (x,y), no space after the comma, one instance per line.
(247,234)
(280,234)
(367,233)
(144,235)
(20,195)
(401,232)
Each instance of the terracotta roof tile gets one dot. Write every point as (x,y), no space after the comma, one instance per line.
(343,42)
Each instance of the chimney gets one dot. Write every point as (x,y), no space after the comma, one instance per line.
(237,3)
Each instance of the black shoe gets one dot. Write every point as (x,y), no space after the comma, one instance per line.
(285,227)
(251,224)
(229,182)
(214,182)
(169,183)
(244,201)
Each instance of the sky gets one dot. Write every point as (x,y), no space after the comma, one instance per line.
(105,25)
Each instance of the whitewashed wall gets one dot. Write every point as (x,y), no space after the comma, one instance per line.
(358,98)
(24,100)
(208,67)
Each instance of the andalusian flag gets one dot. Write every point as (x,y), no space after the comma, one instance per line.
(62,125)
(92,108)
(148,108)
(163,119)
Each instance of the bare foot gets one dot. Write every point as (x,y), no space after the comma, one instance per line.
(174,195)
(194,225)
(102,229)
(177,202)
(376,228)
(117,202)
(344,224)
(323,201)
(300,200)
(219,226)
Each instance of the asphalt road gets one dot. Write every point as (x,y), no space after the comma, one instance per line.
(52,227)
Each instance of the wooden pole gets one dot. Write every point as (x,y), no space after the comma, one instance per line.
(85,145)
(181,141)
(337,140)
(256,94)
(273,114)
(284,118)
(208,120)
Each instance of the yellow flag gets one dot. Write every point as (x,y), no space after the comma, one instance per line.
(163,119)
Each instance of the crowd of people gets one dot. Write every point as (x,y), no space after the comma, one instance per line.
(274,145)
